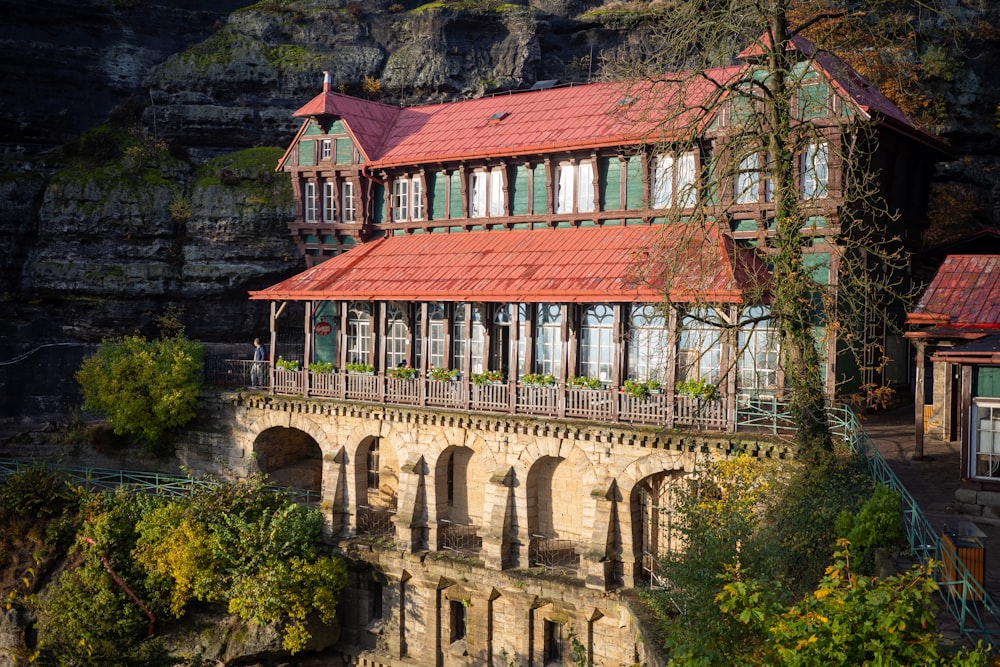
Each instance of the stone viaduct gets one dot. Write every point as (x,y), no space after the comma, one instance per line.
(477,539)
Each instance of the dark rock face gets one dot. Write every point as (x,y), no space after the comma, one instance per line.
(93,252)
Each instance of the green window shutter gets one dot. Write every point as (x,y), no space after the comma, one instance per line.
(988,381)
(307,153)
(519,190)
(455,195)
(539,191)
(378,204)
(437,194)
(611,183)
(633,183)
(345,150)
(812,101)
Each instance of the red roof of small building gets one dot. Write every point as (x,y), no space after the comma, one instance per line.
(588,265)
(964,294)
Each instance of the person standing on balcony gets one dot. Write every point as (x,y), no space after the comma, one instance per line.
(257,370)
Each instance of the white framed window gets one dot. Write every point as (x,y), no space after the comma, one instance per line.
(674,181)
(476,339)
(574,186)
(496,192)
(416,199)
(400,199)
(395,337)
(597,345)
(486,193)
(985,462)
(325,149)
(548,339)
(347,201)
(699,353)
(311,203)
(477,194)
(747,181)
(815,171)
(435,338)
(359,332)
(585,187)
(329,201)
(757,364)
(649,344)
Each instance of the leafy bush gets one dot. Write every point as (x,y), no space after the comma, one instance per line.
(640,388)
(849,619)
(145,388)
(584,382)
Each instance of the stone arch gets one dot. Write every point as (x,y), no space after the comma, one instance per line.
(290,457)
(376,473)
(648,515)
(558,479)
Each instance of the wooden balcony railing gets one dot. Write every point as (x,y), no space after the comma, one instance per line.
(559,401)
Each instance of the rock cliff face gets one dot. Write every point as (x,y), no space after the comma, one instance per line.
(134,135)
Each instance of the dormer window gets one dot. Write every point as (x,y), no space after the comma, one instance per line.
(325,149)
(497,117)
(407,199)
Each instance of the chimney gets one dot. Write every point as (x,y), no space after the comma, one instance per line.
(327,80)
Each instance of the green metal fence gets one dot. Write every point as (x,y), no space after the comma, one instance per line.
(974,610)
(145,482)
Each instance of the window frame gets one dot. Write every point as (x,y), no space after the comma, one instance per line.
(329,201)
(814,170)
(674,181)
(979,459)
(597,341)
(326,149)
(310,203)
(348,208)
(400,199)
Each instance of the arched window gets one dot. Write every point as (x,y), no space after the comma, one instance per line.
(700,351)
(359,332)
(648,343)
(395,337)
(597,345)
(371,465)
(548,339)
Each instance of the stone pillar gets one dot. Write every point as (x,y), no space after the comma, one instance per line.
(411,515)
(496,517)
(596,563)
(334,497)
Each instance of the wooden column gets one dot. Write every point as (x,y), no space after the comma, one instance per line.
(307,347)
(918,401)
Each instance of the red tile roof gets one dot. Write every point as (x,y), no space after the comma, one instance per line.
(593,264)
(965,293)
(564,118)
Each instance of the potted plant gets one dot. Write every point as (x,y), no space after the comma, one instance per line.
(321,367)
(443,374)
(635,388)
(701,389)
(286,364)
(488,377)
(538,379)
(359,368)
(402,373)
(580,382)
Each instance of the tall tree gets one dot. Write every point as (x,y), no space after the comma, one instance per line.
(770,126)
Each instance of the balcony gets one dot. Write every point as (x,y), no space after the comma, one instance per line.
(608,404)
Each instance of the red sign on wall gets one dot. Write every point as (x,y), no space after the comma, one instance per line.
(323,328)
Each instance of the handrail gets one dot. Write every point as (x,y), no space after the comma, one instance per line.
(972,607)
(157,483)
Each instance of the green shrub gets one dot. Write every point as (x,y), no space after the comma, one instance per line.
(144,388)
(538,379)
(443,374)
(402,373)
(359,367)
(322,367)
(286,364)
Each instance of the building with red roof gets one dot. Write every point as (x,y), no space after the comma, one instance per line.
(955,327)
(511,302)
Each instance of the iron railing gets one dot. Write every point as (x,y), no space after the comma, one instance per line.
(376,521)
(458,537)
(156,483)
(553,554)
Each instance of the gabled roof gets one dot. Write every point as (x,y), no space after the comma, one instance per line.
(964,294)
(588,265)
(564,118)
